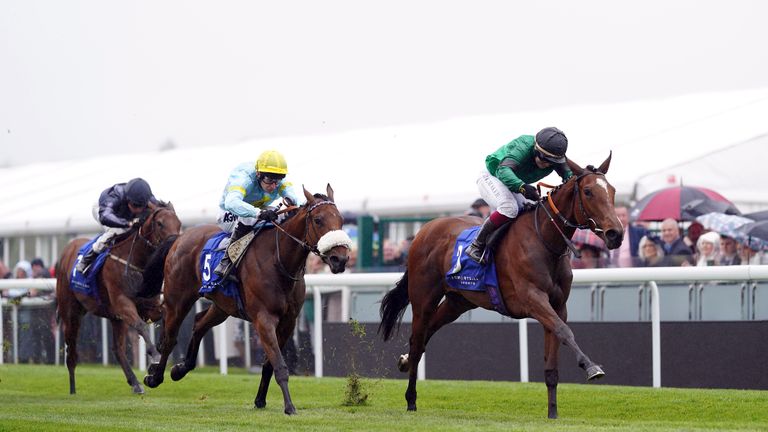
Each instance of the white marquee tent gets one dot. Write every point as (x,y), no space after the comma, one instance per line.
(423,169)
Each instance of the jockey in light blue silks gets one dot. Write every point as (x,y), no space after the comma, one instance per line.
(249,190)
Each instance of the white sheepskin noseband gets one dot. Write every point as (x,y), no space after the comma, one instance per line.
(334,238)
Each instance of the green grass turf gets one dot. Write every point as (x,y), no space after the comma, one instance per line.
(36,398)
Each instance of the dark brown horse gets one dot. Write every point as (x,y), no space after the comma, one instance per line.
(272,286)
(119,296)
(533,267)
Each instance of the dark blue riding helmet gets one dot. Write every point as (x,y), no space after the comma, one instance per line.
(138,192)
(551,145)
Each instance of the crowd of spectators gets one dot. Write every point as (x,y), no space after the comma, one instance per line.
(666,244)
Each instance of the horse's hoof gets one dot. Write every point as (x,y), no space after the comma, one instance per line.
(138,390)
(411,407)
(152,382)
(594,372)
(260,403)
(178,372)
(402,363)
(290,410)
(152,368)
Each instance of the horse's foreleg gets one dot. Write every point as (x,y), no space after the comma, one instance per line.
(565,334)
(119,331)
(266,326)
(266,376)
(543,312)
(172,322)
(551,377)
(284,331)
(204,321)
(125,309)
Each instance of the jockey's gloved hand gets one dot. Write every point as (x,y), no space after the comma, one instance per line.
(530,192)
(268,215)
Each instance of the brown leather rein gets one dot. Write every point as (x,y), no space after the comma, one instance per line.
(553,211)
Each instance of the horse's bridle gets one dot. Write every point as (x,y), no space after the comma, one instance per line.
(590,222)
(141,236)
(303,243)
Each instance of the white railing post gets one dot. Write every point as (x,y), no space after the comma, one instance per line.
(2,351)
(104,343)
(223,348)
(655,334)
(523,335)
(317,343)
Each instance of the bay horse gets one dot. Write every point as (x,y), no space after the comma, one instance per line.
(272,286)
(119,298)
(533,269)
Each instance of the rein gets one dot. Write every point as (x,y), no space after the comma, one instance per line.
(137,235)
(304,245)
(553,210)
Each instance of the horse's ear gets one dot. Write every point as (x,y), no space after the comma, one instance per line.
(604,166)
(329,192)
(307,195)
(170,206)
(575,168)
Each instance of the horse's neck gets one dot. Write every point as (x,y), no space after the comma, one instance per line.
(292,254)
(552,230)
(132,245)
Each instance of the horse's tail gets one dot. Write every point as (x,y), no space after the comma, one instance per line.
(393,307)
(153,272)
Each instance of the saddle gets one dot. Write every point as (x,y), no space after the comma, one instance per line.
(499,234)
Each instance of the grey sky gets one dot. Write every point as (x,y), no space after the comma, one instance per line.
(92,77)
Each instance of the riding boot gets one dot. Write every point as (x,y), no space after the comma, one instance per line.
(226,262)
(476,250)
(85,262)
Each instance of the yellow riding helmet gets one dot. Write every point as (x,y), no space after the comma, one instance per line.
(271,161)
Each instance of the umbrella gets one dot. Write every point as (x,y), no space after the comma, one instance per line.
(755,230)
(587,237)
(682,203)
(724,224)
(701,206)
(732,226)
(758,216)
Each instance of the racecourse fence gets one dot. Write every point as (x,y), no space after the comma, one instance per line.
(688,295)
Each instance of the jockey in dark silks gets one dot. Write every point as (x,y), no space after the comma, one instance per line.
(506,182)
(116,211)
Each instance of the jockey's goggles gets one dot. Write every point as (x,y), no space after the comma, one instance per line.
(270,180)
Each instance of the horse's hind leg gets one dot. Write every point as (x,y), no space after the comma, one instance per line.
(424,307)
(204,321)
(70,323)
(447,312)
(119,333)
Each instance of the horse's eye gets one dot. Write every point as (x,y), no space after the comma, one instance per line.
(318,221)
(160,225)
(588,192)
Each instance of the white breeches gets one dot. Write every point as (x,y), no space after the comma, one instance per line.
(227,221)
(498,196)
(109,232)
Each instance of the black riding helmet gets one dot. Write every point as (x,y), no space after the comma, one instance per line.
(138,192)
(551,145)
